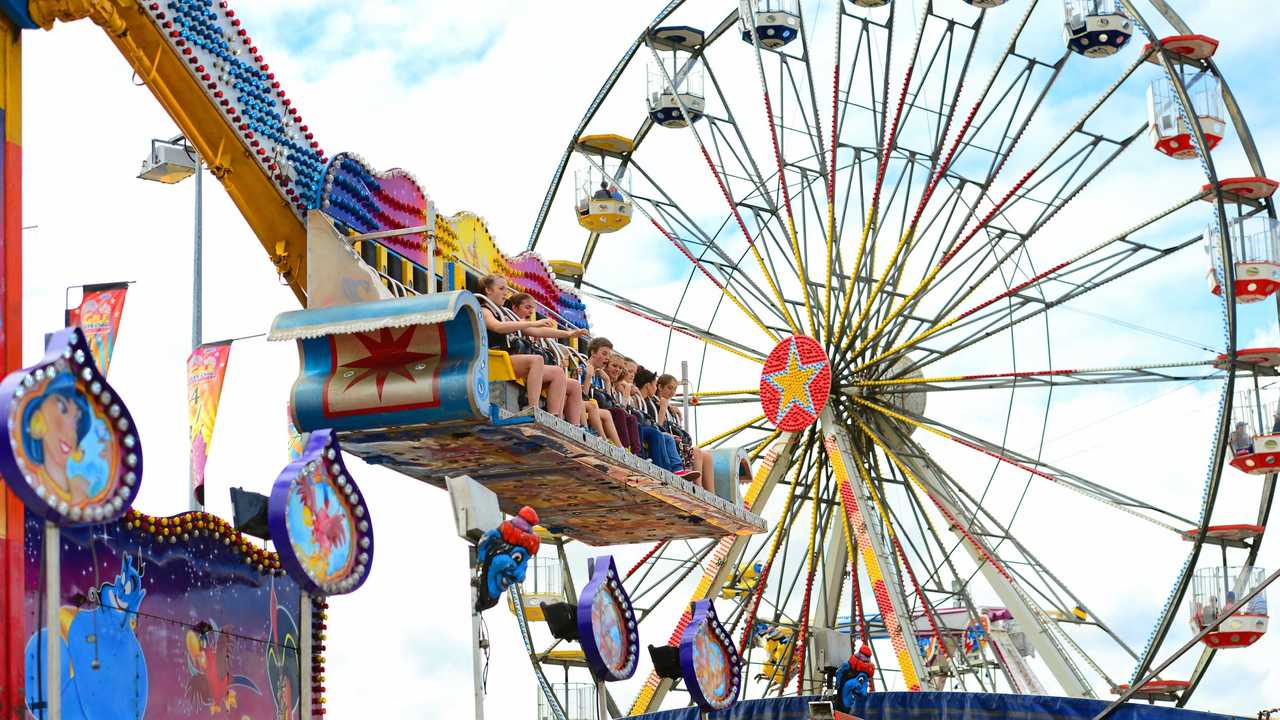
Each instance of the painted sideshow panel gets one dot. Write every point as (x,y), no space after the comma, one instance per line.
(150,629)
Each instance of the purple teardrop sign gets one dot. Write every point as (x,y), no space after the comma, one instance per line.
(607,624)
(72,453)
(319,522)
(709,662)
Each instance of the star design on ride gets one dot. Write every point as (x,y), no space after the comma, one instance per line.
(794,383)
(388,355)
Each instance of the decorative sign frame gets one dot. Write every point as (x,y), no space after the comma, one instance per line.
(319,520)
(709,661)
(72,452)
(795,382)
(607,624)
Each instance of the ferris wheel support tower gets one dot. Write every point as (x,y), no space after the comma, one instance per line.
(1029,616)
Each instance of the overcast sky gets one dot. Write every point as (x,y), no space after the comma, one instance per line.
(478,100)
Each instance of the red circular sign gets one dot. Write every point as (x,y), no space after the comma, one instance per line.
(794,383)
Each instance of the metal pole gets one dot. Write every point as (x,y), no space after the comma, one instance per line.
(602,708)
(197,281)
(197,286)
(684,385)
(52,621)
(304,655)
(477,667)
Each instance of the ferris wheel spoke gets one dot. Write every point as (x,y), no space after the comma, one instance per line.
(725,291)
(724,190)
(1066,377)
(1053,588)
(924,476)
(1070,167)
(889,144)
(659,587)
(1095,267)
(939,167)
(798,255)
(671,323)
(1036,467)
(730,268)
(1016,191)
(1023,306)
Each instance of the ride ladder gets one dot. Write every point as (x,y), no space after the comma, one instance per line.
(1021,676)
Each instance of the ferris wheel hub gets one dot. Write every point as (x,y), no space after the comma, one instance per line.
(795,383)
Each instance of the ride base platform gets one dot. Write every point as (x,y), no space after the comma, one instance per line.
(405,383)
(945,706)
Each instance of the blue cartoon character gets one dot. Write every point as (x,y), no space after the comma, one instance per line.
(103,671)
(211,684)
(65,444)
(503,556)
(853,679)
(975,636)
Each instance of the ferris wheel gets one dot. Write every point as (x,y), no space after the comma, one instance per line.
(900,229)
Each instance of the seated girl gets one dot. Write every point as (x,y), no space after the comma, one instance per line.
(661,446)
(669,420)
(598,353)
(522,305)
(532,368)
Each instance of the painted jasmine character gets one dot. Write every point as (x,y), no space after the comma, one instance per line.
(53,426)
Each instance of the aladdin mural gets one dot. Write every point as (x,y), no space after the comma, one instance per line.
(182,624)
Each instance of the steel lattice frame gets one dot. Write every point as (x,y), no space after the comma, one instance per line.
(891,213)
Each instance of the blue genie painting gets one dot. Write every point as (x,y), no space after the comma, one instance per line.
(73,454)
(103,629)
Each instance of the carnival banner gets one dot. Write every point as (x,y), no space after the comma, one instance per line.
(98,315)
(206,368)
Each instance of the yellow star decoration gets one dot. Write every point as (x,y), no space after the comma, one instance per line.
(793,382)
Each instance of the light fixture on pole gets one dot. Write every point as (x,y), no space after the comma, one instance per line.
(172,161)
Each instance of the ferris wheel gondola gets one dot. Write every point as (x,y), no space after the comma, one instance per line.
(777,22)
(1096,28)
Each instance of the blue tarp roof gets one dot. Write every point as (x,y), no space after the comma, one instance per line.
(948,706)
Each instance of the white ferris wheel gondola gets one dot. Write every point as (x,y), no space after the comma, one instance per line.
(1217,588)
(1096,28)
(1255,252)
(675,84)
(777,22)
(1167,123)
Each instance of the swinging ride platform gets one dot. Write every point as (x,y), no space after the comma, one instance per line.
(407,384)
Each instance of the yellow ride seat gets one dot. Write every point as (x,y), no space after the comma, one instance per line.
(500,369)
